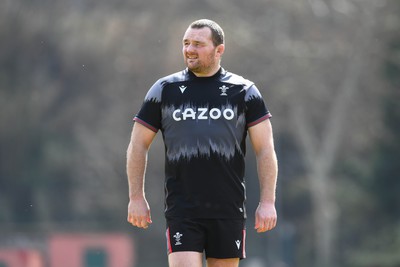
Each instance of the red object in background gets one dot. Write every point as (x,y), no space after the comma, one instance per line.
(21,257)
(87,250)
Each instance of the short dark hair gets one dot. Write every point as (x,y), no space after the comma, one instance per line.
(217,34)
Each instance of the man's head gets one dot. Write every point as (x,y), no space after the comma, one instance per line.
(203,46)
(217,34)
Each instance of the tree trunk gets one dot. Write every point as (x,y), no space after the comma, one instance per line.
(320,159)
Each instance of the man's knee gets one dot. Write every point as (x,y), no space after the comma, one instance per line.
(213,262)
(185,259)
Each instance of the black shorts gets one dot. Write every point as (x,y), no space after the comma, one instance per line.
(218,238)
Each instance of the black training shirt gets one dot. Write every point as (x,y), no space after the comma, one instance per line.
(204,122)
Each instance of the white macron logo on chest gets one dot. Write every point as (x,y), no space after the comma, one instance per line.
(182,88)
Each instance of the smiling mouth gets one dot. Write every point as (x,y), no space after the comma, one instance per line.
(191,57)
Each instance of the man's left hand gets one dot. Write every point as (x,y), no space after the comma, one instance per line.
(266,217)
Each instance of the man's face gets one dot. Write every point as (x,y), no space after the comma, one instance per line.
(199,53)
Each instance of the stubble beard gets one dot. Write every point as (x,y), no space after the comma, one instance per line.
(199,66)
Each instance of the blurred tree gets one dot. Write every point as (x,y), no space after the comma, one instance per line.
(385,175)
(373,202)
(33,141)
(325,79)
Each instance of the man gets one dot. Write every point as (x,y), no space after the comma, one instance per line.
(204,114)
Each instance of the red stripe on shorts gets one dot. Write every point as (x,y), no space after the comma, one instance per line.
(244,244)
(168,242)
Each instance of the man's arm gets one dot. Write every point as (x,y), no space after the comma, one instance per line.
(136,160)
(267,167)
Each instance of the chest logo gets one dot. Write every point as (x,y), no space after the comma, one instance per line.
(223,89)
(203,114)
(182,88)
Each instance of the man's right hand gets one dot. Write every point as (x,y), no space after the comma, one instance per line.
(139,213)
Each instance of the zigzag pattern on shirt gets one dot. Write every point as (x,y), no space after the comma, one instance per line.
(201,132)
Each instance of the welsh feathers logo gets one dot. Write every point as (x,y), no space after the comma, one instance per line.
(177,237)
(223,89)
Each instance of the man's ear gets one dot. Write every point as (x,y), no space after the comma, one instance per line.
(220,49)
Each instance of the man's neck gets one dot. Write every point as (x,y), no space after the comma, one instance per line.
(210,73)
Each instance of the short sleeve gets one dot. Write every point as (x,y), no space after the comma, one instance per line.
(256,109)
(149,114)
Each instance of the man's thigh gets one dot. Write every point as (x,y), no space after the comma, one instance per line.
(213,262)
(186,259)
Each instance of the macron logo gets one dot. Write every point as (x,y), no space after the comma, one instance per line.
(237,243)
(182,88)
